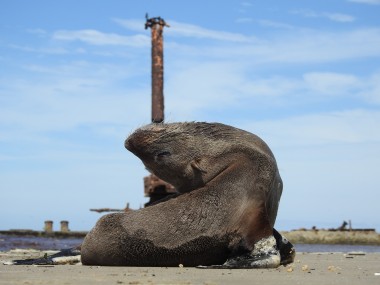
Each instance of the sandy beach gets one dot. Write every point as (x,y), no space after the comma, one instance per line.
(308,268)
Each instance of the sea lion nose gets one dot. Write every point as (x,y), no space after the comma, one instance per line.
(135,141)
(128,144)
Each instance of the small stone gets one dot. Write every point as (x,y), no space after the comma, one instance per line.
(290,269)
(305,267)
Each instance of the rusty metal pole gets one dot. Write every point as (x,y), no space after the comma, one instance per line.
(157,25)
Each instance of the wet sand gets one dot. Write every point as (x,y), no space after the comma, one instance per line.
(309,268)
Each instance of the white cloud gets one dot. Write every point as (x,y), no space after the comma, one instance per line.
(337,17)
(178,29)
(47,50)
(330,83)
(333,128)
(98,38)
(305,47)
(66,97)
(269,89)
(244,7)
(246,4)
(244,20)
(38,32)
(199,87)
(297,46)
(273,24)
(306,13)
(130,24)
(371,2)
(189,30)
(371,92)
(195,90)
(324,157)
(366,89)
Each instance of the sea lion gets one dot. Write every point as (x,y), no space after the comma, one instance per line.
(230,190)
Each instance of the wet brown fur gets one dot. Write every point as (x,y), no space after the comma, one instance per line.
(231,189)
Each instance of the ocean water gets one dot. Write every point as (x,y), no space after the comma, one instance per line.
(39,243)
(44,243)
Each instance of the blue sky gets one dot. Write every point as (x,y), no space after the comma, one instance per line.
(75,81)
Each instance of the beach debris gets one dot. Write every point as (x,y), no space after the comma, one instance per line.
(333,268)
(180,265)
(290,269)
(356,253)
(8,263)
(377,274)
(46,261)
(65,256)
(305,268)
(353,254)
(66,260)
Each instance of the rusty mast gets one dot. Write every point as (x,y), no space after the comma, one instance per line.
(155,188)
(157,25)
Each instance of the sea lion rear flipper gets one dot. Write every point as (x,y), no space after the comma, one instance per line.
(265,255)
(286,248)
(241,262)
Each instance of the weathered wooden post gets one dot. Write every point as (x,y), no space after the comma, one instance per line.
(157,25)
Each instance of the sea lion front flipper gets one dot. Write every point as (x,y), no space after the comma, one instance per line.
(167,198)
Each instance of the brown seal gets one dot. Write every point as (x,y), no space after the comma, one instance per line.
(230,190)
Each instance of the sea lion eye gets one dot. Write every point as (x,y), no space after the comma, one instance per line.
(163,154)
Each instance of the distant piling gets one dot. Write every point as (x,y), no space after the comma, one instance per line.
(48,226)
(65,226)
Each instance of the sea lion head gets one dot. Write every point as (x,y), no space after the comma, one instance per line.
(183,154)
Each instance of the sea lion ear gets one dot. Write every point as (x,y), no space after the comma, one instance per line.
(196,165)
